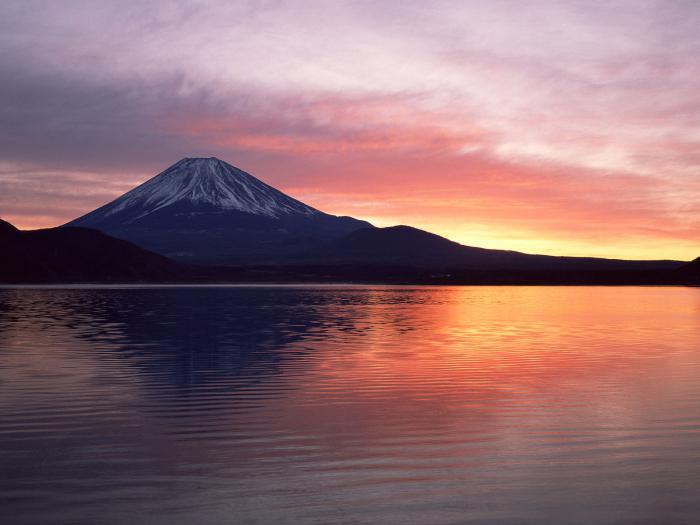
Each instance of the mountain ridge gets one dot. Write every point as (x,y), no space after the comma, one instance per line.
(415,247)
(83,255)
(204,211)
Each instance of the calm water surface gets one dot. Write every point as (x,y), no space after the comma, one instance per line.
(350,405)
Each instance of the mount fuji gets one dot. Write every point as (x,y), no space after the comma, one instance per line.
(204,210)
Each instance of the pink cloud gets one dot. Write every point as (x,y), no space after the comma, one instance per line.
(578,137)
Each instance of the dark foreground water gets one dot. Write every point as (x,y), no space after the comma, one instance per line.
(364,405)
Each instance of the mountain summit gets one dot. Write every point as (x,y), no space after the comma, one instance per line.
(200,182)
(205,210)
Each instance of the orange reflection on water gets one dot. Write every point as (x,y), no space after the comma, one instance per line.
(353,404)
(469,359)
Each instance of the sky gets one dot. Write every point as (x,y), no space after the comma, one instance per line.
(562,127)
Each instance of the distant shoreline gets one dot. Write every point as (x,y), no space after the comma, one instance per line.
(116,286)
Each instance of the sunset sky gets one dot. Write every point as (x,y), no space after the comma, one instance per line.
(558,127)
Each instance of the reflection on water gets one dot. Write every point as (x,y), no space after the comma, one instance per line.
(352,405)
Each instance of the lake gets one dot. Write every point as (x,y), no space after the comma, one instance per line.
(350,405)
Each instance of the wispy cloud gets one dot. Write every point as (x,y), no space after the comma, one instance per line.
(559,127)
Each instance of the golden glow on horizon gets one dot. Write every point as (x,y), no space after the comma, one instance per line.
(495,236)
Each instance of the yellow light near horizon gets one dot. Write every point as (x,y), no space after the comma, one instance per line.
(551,243)
(633,248)
(502,238)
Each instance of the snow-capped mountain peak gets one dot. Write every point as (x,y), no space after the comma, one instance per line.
(207,181)
(204,210)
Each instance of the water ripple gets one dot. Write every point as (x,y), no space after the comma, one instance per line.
(357,405)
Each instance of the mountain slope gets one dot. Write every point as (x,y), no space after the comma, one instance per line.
(205,210)
(407,246)
(391,255)
(65,255)
(690,270)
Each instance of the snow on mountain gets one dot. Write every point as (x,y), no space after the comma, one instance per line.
(206,181)
(204,210)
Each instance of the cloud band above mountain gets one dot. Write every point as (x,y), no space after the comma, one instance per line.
(560,128)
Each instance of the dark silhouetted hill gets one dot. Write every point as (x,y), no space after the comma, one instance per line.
(411,247)
(72,255)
